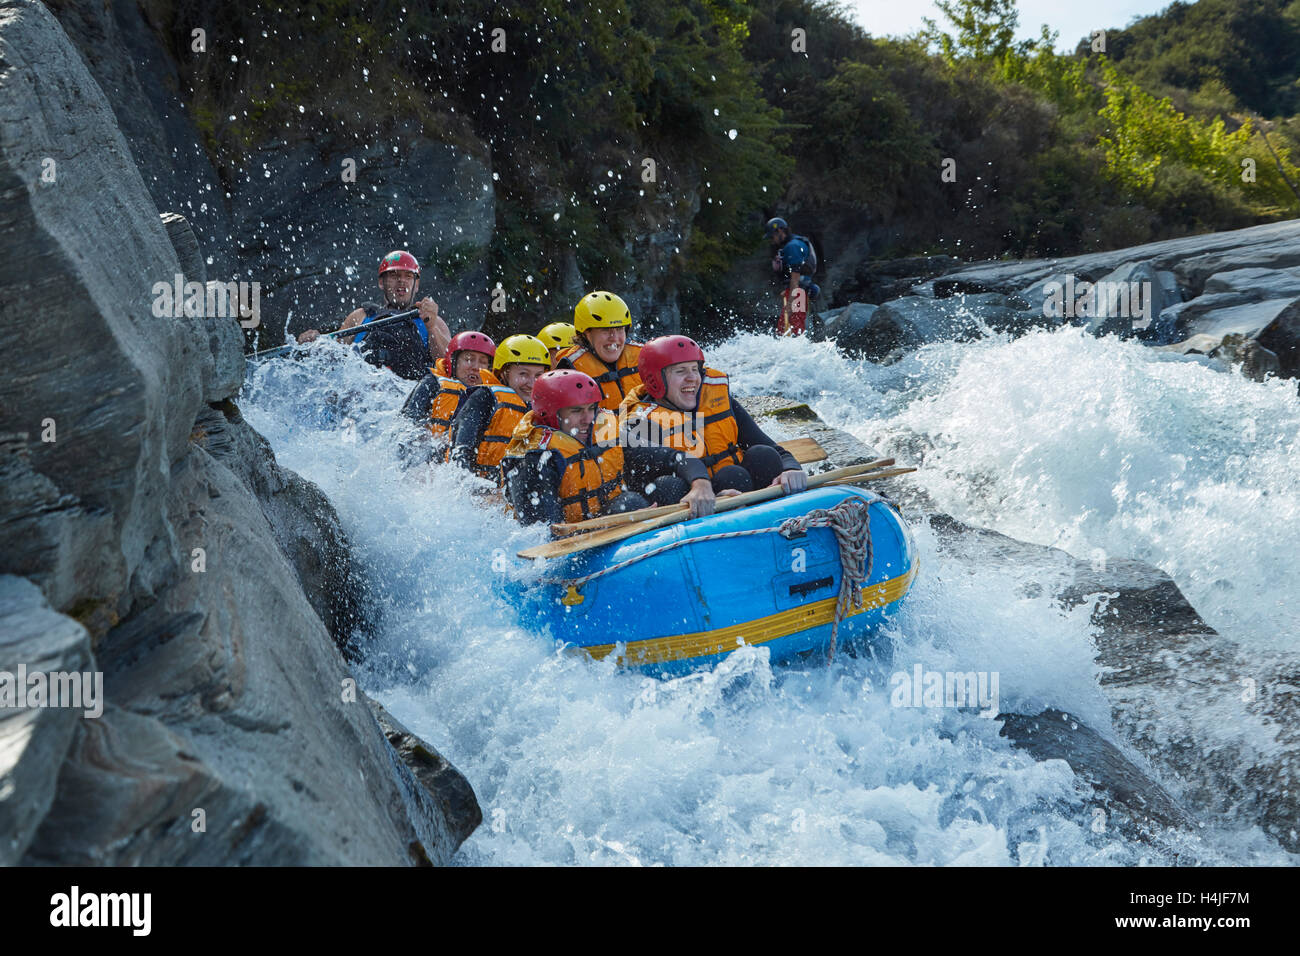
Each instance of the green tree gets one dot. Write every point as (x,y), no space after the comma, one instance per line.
(985,29)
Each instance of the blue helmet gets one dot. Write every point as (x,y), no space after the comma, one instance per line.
(773,225)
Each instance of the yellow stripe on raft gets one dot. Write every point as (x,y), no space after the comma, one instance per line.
(759,631)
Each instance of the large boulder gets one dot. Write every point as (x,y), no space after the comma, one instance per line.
(1228,317)
(1130,299)
(232,731)
(843,324)
(1197,271)
(1133,298)
(910,322)
(1226,746)
(303,520)
(1282,338)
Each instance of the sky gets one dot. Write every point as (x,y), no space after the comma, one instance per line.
(1072,19)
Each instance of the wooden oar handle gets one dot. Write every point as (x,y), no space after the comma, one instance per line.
(594,539)
(874,476)
(602,522)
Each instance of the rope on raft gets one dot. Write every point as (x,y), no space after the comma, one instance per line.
(849,521)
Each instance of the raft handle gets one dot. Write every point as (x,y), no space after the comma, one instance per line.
(799,590)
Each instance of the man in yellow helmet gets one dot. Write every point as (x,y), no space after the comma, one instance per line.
(487,416)
(601,322)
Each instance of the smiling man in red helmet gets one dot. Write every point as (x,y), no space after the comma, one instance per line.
(406,347)
(684,410)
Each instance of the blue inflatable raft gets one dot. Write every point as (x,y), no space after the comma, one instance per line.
(691,602)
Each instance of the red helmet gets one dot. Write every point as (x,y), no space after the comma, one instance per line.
(658,354)
(562,388)
(471,342)
(399,259)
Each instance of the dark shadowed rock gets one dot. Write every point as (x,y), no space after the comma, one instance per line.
(1054,735)
(1282,338)
(439,778)
(437,201)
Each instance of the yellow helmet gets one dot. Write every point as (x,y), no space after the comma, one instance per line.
(523,349)
(557,335)
(601,310)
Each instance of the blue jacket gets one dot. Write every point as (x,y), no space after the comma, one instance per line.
(798,255)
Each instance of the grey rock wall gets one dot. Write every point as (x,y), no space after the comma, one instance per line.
(231,731)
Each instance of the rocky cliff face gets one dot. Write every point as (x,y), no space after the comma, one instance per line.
(146,534)
(308,219)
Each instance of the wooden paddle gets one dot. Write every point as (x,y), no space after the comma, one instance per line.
(579,543)
(874,476)
(601,522)
(805,450)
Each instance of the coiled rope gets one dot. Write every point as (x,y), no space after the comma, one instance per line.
(849,521)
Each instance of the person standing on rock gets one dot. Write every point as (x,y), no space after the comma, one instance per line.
(794,260)
(409,347)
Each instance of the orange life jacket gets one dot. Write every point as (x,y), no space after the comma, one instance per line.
(508,408)
(646,421)
(591,476)
(446,400)
(615,383)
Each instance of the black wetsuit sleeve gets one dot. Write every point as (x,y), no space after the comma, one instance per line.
(689,468)
(420,400)
(748,433)
(470,425)
(643,464)
(563,363)
(532,487)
